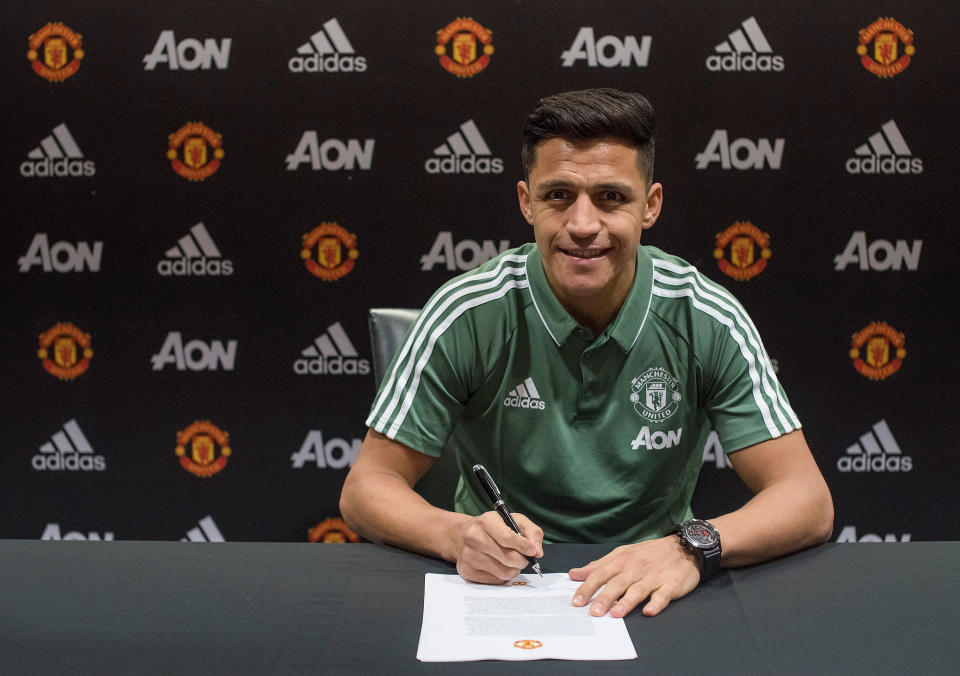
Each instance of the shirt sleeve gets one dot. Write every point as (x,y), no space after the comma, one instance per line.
(424,391)
(744,400)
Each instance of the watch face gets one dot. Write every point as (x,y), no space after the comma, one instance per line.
(699,534)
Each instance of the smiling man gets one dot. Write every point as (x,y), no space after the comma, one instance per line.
(585,371)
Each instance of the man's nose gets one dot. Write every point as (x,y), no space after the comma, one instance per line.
(582,217)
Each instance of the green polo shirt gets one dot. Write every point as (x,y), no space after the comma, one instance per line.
(595,440)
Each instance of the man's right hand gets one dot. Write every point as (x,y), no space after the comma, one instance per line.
(490,552)
(379,503)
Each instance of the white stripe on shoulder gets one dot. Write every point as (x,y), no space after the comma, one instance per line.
(722,299)
(427,316)
(713,286)
(754,376)
(435,335)
(719,304)
(726,301)
(399,377)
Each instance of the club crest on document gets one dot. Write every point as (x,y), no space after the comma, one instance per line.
(656,395)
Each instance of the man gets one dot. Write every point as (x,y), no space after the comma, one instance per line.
(585,371)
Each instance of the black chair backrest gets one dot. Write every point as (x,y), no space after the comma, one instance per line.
(388,326)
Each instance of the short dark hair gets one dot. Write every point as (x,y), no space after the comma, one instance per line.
(590,114)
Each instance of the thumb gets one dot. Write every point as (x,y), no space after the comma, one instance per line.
(580,574)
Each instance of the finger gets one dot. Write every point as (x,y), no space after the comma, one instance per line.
(532,532)
(580,574)
(614,589)
(481,550)
(482,554)
(471,574)
(505,537)
(584,572)
(598,577)
(502,571)
(659,600)
(486,570)
(633,596)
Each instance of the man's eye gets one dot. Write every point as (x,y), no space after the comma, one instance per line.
(556,195)
(612,196)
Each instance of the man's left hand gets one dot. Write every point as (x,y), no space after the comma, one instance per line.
(662,570)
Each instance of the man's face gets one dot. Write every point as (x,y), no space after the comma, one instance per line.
(588,204)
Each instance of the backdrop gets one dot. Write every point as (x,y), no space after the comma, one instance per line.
(201,201)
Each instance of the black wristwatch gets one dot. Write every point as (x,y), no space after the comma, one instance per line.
(702,539)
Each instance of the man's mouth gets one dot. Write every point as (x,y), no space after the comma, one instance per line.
(585,253)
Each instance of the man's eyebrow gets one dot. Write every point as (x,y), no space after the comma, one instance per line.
(559,183)
(555,184)
(625,188)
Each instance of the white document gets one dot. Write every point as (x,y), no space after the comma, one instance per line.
(528,618)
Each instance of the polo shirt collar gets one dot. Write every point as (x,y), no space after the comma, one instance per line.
(625,327)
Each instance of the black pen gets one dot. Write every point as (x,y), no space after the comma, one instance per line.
(483,476)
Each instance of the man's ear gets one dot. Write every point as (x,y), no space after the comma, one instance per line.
(523,196)
(654,205)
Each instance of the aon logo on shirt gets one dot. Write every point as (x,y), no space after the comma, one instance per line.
(656,440)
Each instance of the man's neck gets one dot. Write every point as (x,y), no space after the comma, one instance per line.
(596,322)
(596,311)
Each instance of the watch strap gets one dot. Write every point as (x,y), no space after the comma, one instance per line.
(709,562)
(708,558)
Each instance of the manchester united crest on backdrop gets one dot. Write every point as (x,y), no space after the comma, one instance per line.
(195,151)
(203,448)
(65,351)
(464,47)
(878,351)
(55,52)
(886,47)
(742,251)
(332,530)
(329,251)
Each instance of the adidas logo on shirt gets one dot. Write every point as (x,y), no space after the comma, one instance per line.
(885,152)
(206,531)
(465,152)
(68,449)
(57,155)
(877,451)
(745,49)
(195,254)
(524,395)
(327,51)
(332,353)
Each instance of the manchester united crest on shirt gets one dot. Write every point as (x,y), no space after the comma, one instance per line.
(656,395)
